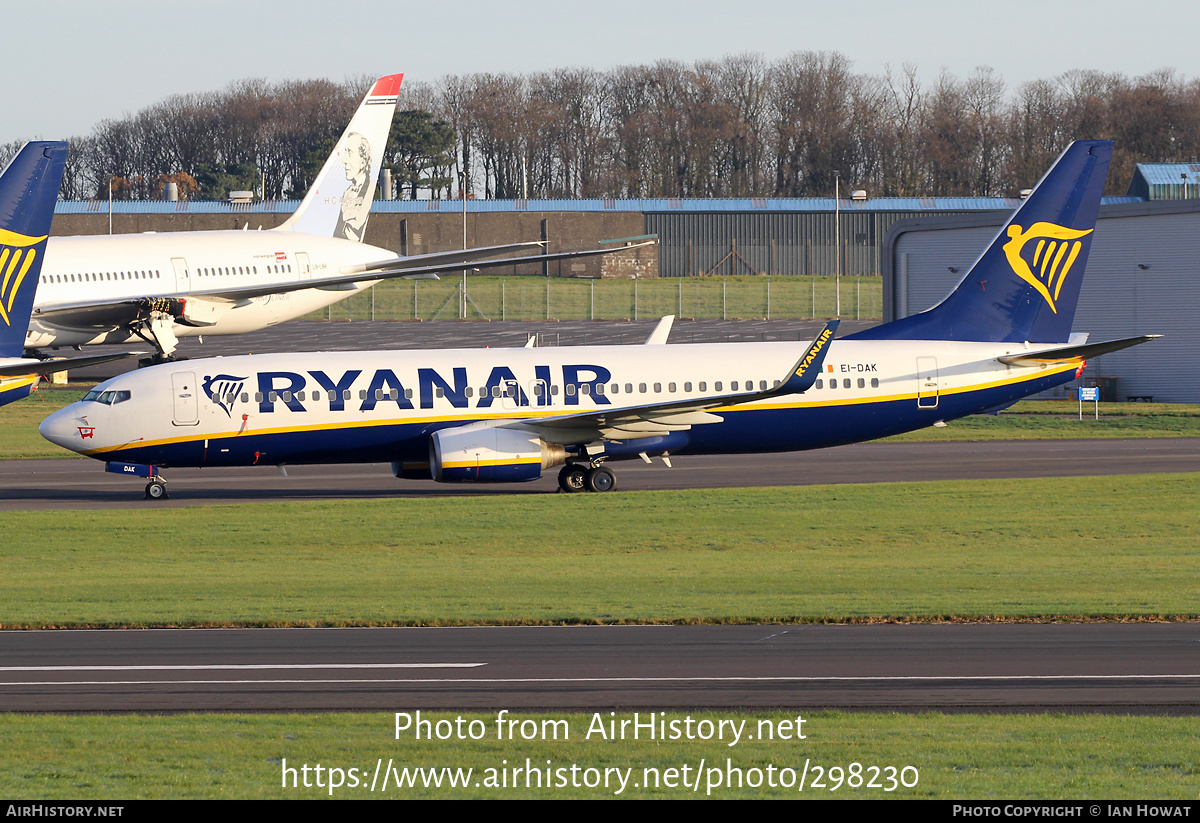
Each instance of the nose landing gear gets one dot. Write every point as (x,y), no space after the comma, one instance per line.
(156,489)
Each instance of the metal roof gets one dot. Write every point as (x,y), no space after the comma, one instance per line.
(1166,181)
(1168,173)
(645,206)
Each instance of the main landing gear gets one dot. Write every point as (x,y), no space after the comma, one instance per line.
(580,477)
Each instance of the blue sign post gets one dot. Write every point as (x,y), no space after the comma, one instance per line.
(1089,393)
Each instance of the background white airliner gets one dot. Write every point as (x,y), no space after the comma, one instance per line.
(503,415)
(159,287)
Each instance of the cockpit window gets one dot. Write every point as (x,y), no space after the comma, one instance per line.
(108,398)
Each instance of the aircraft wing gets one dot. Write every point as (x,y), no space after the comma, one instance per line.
(205,304)
(25,366)
(421,267)
(650,420)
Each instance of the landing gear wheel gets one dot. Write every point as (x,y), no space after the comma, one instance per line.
(601,479)
(157,490)
(573,478)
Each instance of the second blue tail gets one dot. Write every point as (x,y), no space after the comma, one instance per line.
(28,191)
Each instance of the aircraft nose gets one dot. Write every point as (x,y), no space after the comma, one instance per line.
(64,429)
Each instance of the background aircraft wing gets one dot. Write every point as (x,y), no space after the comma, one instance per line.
(422,267)
(120,313)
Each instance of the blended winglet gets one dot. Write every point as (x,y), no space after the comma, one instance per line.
(808,368)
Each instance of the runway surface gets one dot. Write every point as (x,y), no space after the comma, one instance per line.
(80,483)
(1144,668)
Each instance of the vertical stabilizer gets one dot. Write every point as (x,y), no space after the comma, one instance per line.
(339,201)
(1025,285)
(28,191)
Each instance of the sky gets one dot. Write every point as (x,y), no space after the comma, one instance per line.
(69,64)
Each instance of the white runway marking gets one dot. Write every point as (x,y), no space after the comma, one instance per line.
(567,680)
(240,666)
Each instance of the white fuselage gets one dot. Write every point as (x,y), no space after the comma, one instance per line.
(115,268)
(384,406)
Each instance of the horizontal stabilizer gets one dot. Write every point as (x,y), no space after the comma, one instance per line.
(1061,355)
(30,366)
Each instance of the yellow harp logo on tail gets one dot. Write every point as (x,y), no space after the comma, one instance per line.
(16,258)
(1046,263)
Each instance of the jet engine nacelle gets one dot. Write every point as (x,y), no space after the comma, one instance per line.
(481,453)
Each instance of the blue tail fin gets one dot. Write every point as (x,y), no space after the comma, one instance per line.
(28,190)
(1025,285)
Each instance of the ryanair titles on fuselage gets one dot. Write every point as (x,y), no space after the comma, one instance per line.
(385,386)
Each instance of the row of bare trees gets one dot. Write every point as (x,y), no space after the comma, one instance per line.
(741,126)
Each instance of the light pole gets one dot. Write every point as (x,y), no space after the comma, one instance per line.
(462,297)
(837,241)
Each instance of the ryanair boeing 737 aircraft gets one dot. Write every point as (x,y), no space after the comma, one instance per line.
(501,415)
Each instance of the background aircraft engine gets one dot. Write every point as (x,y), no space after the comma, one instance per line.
(490,454)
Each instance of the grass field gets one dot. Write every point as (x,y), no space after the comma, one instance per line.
(993,758)
(1062,548)
(526,298)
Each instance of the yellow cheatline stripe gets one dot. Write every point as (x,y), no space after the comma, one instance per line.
(11,238)
(471,464)
(554,412)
